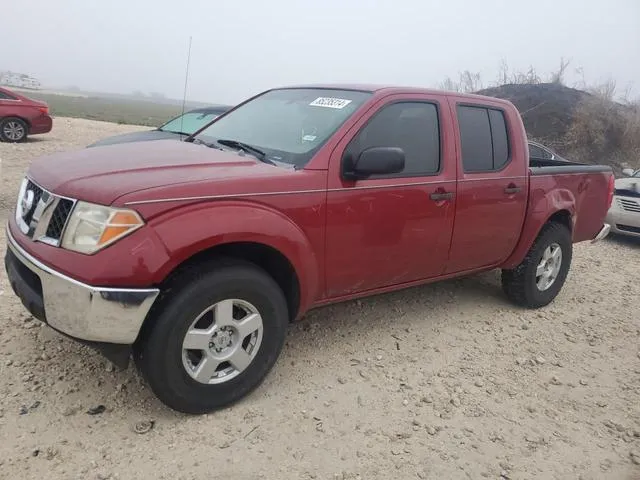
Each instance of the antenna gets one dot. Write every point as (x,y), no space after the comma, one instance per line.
(186,78)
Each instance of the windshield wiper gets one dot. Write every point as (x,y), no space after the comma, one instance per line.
(197,141)
(174,131)
(259,154)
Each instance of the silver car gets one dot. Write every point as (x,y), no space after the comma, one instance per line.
(624,214)
(542,152)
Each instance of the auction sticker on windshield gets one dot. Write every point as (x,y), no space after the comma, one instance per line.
(329,102)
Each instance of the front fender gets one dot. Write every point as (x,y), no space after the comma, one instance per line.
(193,229)
(542,206)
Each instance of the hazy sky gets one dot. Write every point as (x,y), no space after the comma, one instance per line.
(241,47)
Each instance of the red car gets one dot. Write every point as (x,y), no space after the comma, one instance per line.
(21,116)
(196,255)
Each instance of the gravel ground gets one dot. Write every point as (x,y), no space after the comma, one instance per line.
(444,381)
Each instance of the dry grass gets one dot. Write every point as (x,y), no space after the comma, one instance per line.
(130,112)
(605,130)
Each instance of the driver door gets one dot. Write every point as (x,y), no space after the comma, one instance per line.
(388,230)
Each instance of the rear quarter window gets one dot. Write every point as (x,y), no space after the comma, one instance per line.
(483,137)
(500,139)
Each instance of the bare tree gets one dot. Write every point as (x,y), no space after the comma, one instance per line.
(449,85)
(605,90)
(505,76)
(471,82)
(558,76)
(503,72)
(468,82)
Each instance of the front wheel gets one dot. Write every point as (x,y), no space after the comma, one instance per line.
(215,339)
(540,276)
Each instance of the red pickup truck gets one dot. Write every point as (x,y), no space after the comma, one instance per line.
(195,255)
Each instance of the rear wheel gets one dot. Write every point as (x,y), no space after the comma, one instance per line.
(13,130)
(215,339)
(540,276)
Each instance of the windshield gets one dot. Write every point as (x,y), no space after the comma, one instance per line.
(288,125)
(189,122)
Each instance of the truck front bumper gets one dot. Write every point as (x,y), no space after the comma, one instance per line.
(89,314)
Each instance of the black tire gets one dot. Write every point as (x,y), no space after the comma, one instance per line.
(13,121)
(158,353)
(520,284)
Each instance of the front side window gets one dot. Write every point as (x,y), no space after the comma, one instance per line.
(289,125)
(413,127)
(189,123)
(484,138)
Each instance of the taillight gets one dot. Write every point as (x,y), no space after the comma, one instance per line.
(612,188)
(44,110)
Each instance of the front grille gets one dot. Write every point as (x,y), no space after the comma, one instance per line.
(41,215)
(37,196)
(629,205)
(627,192)
(628,228)
(59,219)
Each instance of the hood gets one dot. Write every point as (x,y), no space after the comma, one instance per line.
(144,136)
(101,175)
(628,183)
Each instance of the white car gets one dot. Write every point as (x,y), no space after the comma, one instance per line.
(624,214)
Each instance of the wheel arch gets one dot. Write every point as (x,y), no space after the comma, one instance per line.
(563,217)
(532,230)
(24,119)
(266,257)
(269,259)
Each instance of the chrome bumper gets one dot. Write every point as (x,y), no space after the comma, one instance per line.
(94,314)
(604,231)
(623,222)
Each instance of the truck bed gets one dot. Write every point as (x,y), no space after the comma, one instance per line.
(575,187)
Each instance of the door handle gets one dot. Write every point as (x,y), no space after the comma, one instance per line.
(511,189)
(441,196)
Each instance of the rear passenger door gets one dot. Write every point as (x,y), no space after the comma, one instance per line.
(392,229)
(492,187)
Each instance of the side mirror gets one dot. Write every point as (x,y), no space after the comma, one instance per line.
(373,161)
(628,172)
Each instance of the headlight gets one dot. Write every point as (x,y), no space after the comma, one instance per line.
(92,227)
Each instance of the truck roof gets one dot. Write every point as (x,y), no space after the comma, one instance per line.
(392,89)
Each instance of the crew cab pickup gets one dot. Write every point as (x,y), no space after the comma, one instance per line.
(194,256)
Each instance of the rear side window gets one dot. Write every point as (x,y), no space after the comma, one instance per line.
(412,126)
(484,138)
(6,96)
